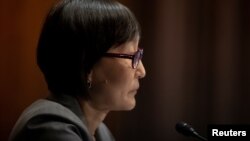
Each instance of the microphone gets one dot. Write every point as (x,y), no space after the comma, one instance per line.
(187,130)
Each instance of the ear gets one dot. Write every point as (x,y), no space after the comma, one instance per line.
(89,79)
(90,76)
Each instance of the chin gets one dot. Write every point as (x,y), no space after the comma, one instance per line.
(126,107)
(131,105)
(131,108)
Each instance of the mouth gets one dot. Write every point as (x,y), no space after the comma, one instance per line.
(135,88)
(134,91)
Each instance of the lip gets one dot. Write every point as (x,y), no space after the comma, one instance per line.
(135,90)
(136,87)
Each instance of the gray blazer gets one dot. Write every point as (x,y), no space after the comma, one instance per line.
(55,119)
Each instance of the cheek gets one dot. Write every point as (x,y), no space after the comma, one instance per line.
(120,79)
(121,93)
(112,87)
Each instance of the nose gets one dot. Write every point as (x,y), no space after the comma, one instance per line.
(141,72)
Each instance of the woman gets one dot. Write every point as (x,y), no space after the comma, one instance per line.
(88,52)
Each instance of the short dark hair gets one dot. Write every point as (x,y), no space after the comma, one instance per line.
(75,35)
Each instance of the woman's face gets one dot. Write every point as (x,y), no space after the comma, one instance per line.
(114,81)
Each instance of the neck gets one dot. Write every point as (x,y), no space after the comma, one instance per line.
(93,116)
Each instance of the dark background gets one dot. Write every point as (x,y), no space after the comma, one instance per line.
(197,57)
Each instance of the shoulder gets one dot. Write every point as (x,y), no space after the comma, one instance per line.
(47,120)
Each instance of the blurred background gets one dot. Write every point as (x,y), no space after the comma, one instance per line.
(197,57)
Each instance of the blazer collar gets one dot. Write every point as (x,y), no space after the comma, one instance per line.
(69,102)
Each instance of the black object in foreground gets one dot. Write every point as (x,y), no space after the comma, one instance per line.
(187,130)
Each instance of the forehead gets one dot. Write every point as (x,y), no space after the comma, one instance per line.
(129,46)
